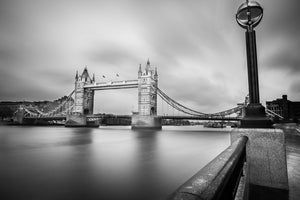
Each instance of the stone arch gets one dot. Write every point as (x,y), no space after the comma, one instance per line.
(86,111)
(152,111)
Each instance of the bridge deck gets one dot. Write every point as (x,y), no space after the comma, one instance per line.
(129,116)
(200,118)
(293,162)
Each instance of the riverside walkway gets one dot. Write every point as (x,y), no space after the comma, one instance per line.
(216,181)
(292,135)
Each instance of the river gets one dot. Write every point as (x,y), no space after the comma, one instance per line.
(106,163)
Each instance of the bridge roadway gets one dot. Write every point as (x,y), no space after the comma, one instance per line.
(93,117)
(174,117)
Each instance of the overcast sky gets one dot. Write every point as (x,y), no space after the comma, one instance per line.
(196,45)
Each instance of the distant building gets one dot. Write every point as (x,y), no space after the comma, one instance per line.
(284,107)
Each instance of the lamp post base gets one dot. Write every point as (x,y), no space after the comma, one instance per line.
(255,117)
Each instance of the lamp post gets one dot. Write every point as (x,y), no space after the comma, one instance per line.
(248,16)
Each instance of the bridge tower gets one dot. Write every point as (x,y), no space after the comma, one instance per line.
(147,90)
(147,99)
(84,100)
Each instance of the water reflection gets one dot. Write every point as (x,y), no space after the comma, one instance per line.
(105,163)
(146,182)
(81,136)
(17,138)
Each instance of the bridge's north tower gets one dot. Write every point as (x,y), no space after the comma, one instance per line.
(84,97)
(84,100)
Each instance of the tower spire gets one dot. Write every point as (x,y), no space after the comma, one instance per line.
(140,71)
(76,77)
(148,66)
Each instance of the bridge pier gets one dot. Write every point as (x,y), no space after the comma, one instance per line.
(19,116)
(75,121)
(146,122)
(80,121)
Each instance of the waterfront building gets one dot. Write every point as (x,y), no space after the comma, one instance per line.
(289,110)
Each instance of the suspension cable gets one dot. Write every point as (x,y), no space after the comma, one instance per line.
(39,112)
(175,102)
(189,111)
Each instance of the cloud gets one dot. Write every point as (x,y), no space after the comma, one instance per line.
(295,87)
(289,59)
(281,18)
(278,36)
(197,46)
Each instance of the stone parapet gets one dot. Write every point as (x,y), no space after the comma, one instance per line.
(266,158)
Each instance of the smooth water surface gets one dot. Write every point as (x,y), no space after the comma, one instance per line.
(51,163)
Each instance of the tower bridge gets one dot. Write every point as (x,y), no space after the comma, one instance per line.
(85,87)
(77,108)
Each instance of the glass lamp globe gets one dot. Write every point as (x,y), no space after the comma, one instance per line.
(249,14)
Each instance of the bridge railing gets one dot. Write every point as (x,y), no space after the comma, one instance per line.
(223,178)
(273,114)
(117,82)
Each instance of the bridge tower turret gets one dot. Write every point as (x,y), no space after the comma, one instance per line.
(84,100)
(147,99)
(140,72)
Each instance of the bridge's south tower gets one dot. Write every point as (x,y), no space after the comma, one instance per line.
(147,90)
(147,99)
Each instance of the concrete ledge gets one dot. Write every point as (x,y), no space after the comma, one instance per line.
(266,157)
(218,179)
